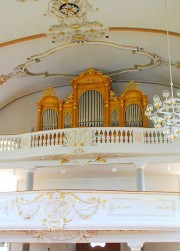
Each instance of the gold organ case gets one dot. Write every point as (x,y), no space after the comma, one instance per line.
(92,104)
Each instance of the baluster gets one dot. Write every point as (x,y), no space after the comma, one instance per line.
(35,141)
(11,144)
(16,143)
(48,139)
(161,139)
(8,144)
(147,138)
(155,137)
(56,139)
(124,136)
(19,143)
(128,136)
(53,139)
(120,137)
(1,145)
(5,145)
(113,139)
(131,137)
(97,136)
(103,137)
(100,136)
(116,136)
(42,139)
(108,139)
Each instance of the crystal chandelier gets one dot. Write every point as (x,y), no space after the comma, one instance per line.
(167,112)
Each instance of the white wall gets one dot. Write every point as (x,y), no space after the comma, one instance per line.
(44,247)
(159,183)
(162,247)
(21,115)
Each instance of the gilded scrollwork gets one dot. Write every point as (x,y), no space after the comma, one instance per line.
(54,210)
(61,236)
(70,99)
(112,96)
(4,78)
(78,138)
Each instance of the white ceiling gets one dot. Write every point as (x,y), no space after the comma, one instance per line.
(20,20)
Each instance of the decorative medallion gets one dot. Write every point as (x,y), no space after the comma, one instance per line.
(66,11)
(69,9)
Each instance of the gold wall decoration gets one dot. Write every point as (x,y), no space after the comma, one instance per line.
(114,108)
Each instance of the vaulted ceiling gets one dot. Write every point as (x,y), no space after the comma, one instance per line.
(134,47)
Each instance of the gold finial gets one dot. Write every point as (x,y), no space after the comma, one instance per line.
(91,71)
(49,92)
(132,86)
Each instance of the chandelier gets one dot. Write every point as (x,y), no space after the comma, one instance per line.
(166,114)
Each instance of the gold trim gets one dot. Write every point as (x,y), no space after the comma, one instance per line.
(43,35)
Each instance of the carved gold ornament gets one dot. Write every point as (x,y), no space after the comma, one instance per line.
(3,79)
(132,86)
(113,96)
(77,33)
(56,209)
(73,11)
(49,92)
(70,99)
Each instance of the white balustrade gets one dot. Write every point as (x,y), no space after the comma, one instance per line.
(84,136)
(9,143)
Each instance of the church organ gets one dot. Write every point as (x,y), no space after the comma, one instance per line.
(93,104)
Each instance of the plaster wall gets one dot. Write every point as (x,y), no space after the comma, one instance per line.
(158,183)
(20,116)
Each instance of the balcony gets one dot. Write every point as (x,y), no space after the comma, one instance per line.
(82,216)
(86,141)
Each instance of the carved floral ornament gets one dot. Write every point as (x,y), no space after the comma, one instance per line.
(73,25)
(23,69)
(55,210)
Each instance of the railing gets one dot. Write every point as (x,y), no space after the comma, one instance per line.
(10,143)
(83,137)
(101,135)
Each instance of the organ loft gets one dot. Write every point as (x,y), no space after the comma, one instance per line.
(93,103)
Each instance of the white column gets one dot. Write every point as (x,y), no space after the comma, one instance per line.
(140,183)
(29,183)
(135,246)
